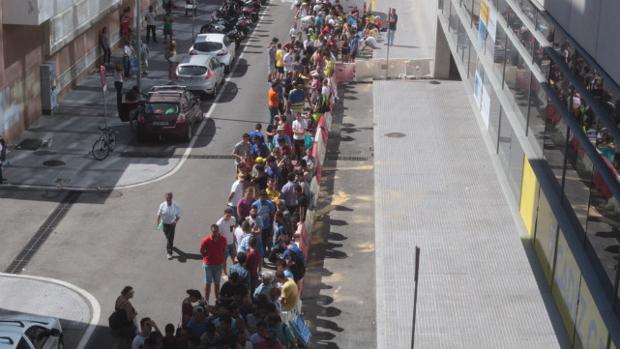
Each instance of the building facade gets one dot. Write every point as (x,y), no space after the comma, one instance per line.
(543,76)
(63,33)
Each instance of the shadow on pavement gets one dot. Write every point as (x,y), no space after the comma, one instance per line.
(318,308)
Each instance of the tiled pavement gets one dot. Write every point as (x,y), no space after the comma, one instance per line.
(435,187)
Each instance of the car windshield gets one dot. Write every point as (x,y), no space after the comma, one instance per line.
(208,46)
(194,70)
(162,108)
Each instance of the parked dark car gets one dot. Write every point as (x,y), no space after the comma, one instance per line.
(169,110)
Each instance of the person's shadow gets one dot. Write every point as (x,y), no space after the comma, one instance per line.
(182,257)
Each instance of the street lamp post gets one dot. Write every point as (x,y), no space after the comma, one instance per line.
(139,43)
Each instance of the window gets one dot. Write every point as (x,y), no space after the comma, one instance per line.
(537,111)
(499,53)
(162,108)
(194,70)
(23,344)
(38,336)
(511,156)
(207,46)
(517,77)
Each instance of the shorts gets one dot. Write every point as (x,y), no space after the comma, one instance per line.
(230,251)
(280,70)
(213,273)
(167,31)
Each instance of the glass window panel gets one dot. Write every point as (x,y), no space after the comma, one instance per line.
(578,180)
(554,142)
(538,112)
(453,20)
(517,77)
(499,54)
(511,156)
(462,44)
(476,13)
(440,5)
(494,109)
(473,63)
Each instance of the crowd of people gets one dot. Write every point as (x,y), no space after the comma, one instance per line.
(251,258)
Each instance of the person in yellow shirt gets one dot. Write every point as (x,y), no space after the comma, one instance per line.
(272,190)
(280,61)
(289,293)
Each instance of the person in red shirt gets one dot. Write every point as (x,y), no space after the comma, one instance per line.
(212,249)
(253,263)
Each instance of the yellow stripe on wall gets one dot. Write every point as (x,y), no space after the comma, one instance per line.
(529,196)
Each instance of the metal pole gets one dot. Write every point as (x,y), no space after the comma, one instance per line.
(105,109)
(194,6)
(387,60)
(139,44)
(415,293)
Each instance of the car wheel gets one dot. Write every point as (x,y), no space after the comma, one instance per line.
(214,93)
(227,69)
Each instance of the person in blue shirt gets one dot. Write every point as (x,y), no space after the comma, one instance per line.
(265,211)
(272,169)
(296,99)
(258,132)
(280,134)
(258,148)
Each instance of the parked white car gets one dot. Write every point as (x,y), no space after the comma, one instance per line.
(27,331)
(201,74)
(217,45)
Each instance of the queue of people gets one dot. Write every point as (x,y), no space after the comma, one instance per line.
(252,263)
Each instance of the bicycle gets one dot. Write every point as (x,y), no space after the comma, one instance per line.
(105,144)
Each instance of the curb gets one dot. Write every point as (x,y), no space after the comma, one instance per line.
(90,299)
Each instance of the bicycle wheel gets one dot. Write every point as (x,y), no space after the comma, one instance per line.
(100,149)
(111,140)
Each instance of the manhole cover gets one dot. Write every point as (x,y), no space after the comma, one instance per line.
(29,144)
(435,82)
(44,152)
(395,135)
(53,163)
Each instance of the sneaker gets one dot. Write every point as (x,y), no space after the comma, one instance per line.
(169,255)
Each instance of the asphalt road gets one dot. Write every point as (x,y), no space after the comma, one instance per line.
(107,240)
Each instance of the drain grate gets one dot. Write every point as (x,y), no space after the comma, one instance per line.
(29,144)
(336,157)
(25,255)
(395,135)
(434,82)
(53,163)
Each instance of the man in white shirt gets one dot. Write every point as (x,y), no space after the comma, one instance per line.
(168,216)
(289,59)
(227,226)
(300,125)
(241,149)
(236,193)
(149,17)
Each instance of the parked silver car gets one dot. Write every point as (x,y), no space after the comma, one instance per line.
(27,331)
(201,74)
(217,45)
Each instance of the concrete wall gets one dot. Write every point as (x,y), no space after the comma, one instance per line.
(593,24)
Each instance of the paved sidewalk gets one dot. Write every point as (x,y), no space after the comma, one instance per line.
(64,159)
(415,32)
(436,187)
(75,308)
